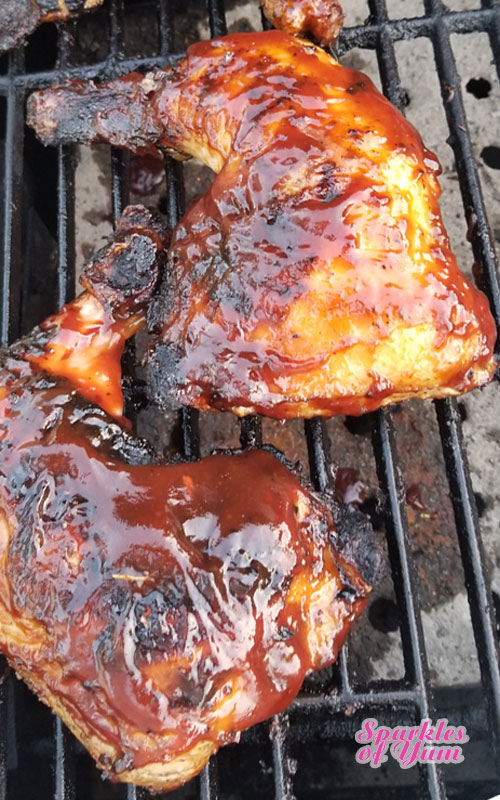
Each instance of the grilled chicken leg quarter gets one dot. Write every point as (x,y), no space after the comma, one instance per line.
(316,276)
(158,609)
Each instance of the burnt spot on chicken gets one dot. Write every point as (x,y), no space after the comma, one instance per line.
(126,271)
(19,18)
(361,552)
(162,375)
(162,619)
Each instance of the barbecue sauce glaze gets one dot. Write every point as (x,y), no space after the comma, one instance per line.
(316,276)
(159,609)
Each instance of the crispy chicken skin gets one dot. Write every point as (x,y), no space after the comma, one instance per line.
(316,275)
(19,18)
(322,18)
(158,609)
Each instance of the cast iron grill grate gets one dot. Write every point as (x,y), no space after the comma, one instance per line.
(314,714)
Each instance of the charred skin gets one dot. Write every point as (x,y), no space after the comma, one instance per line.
(19,18)
(316,276)
(158,609)
(321,18)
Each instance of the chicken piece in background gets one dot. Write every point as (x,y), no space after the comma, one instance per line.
(321,18)
(19,18)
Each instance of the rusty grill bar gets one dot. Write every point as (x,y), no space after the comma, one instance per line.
(409,699)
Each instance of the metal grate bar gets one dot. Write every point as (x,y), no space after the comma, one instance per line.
(103,70)
(208,781)
(464,506)
(64,44)
(318,447)
(173,170)
(217,18)
(63,762)
(399,698)
(120,199)
(137,793)
(471,547)
(281,762)
(10,285)
(119,181)
(342,665)
(65,225)
(494,29)
(10,295)
(66,165)
(384,46)
(64,765)
(403,575)
(367,36)
(251,431)
(116,29)
(166,30)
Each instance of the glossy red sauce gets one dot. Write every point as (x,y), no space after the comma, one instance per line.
(303,196)
(86,346)
(316,276)
(159,606)
(167,592)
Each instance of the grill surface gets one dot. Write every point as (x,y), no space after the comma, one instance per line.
(38,758)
